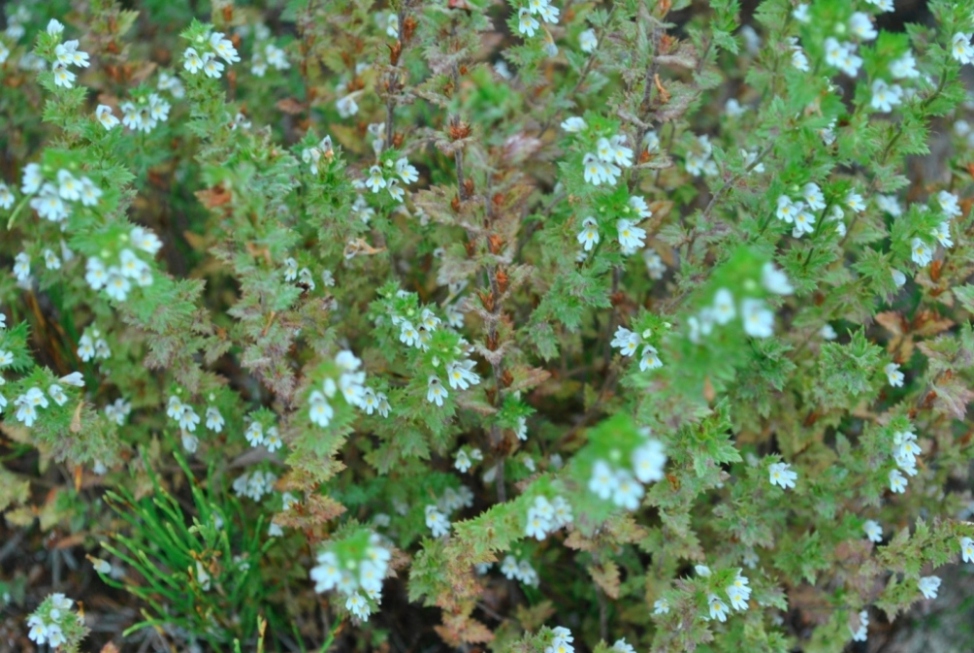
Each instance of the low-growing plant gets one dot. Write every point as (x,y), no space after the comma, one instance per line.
(592,326)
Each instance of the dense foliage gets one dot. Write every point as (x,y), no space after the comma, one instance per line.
(529,326)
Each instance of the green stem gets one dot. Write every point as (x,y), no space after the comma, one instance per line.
(17,210)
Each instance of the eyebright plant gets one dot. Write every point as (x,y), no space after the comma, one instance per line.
(528,325)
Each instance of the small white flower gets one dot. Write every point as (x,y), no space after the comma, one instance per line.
(376,181)
(904,67)
(573,124)
(897,482)
(526,23)
(949,204)
(214,420)
(758,320)
(436,521)
(889,204)
(56,393)
(223,47)
(626,341)
(862,633)
(862,26)
(435,392)
(587,40)
(894,375)
(718,609)
(104,115)
(192,61)
(960,48)
(604,481)
(211,67)
(885,96)
(406,171)
(780,474)
(873,531)
(631,237)
(967,549)
(800,13)
(787,209)
(723,308)
(921,253)
(588,237)
(22,267)
(648,461)
(929,585)
(661,606)
(650,359)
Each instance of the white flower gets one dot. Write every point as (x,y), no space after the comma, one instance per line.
(603,482)
(526,23)
(326,573)
(626,341)
(55,27)
(873,531)
(889,204)
(648,461)
(960,48)
(57,394)
(214,420)
(588,237)
(376,181)
(967,549)
(188,419)
(897,482)
(921,253)
(223,47)
(435,392)
(521,430)
(587,40)
(882,5)
(661,606)
(800,13)
(254,434)
(436,521)
(549,14)
(774,280)
(32,179)
(192,61)
(597,172)
(813,196)
(537,525)
(6,358)
(74,379)
(949,204)
(573,124)
(462,462)
(723,309)
(631,237)
(118,411)
(758,320)
(718,609)
(104,115)
(211,67)
(117,286)
(862,26)
(49,204)
(460,374)
(780,474)
(885,97)
(650,359)
(273,440)
(861,634)
(787,209)
(395,190)
(904,67)
(894,375)
(22,267)
(799,60)
(627,492)
(929,585)
(406,171)
(739,592)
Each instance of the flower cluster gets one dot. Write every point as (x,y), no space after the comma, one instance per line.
(622,486)
(905,450)
(628,342)
(255,484)
(605,164)
(527,24)
(756,317)
(351,382)
(54,623)
(464,461)
(383,177)
(545,517)
(267,54)
(66,55)
(257,436)
(55,194)
(212,48)
(355,573)
(561,641)
(143,114)
(92,345)
(860,634)
(312,155)
(520,570)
